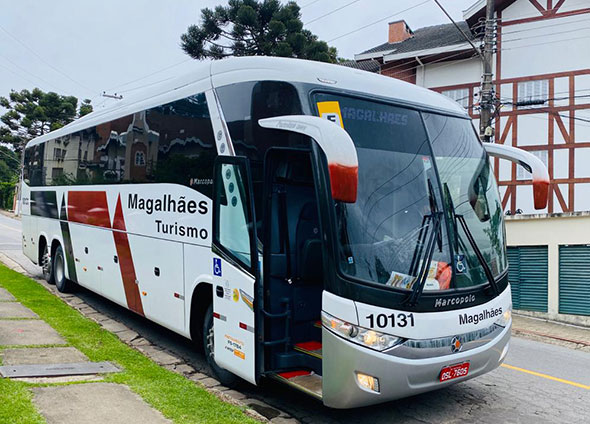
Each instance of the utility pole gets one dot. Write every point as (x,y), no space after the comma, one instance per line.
(487,102)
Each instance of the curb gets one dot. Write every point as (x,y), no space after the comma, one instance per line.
(161,356)
(550,336)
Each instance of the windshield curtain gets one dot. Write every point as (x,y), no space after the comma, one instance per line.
(468,185)
(384,234)
(403,229)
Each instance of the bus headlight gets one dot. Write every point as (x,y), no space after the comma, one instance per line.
(359,335)
(505,318)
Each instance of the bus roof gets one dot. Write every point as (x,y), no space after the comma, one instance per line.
(258,68)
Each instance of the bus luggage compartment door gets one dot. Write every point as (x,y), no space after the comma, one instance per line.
(235,268)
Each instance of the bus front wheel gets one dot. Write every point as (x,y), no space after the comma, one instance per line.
(224,376)
(59,271)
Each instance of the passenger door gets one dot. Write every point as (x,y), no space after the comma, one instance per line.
(235,267)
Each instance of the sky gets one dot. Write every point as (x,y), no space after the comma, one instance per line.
(83,48)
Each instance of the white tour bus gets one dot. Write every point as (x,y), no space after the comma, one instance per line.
(333,229)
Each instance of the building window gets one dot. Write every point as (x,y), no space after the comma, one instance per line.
(534,92)
(139,159)
(523,174)
(58,154)
(56,173)
(460,95)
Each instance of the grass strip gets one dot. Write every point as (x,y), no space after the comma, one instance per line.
(176,397)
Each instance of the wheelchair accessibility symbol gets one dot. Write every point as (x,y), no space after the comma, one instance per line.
(217,267)
(460,264)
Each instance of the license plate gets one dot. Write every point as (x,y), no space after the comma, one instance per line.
(455,371)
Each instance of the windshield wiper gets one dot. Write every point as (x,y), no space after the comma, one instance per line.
(433,240)
(486,269)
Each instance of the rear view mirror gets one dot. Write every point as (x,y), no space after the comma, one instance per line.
(531,163)
(334,142)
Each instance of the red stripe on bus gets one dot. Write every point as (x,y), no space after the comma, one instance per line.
(126,262)
(89,207)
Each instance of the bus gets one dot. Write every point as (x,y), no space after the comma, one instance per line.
(335,230)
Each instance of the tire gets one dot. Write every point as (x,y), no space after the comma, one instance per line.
(224,376)
(47,265)
(59,272)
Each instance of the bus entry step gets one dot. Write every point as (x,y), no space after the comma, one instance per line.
(306,381)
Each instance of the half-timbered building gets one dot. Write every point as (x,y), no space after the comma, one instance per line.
(542,88)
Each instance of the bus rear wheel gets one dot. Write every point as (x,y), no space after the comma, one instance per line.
(224,376)
(59,272)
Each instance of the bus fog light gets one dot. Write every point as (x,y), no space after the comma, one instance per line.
(368,382)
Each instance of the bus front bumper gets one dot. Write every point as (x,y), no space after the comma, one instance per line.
(398,377)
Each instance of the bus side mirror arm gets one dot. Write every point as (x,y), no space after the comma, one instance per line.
(336,145)
(531,163)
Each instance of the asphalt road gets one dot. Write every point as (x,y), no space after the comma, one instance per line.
(539,383)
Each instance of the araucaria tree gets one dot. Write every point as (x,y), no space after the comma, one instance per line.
(254,28)
(34,113)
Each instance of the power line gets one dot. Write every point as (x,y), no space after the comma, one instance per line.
(378,21)
(308,4)
(29,73)
(459,29)
(543,27)
(6,155)
(19,75)
(544,35)
(149,75)
(332,12)
(46,62)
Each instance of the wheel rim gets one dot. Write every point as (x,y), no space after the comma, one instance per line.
(59,268)
(46,262)
(210,344)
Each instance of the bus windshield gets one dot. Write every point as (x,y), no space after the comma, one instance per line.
(404,227)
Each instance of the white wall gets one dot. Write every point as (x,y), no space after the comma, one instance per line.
(547,46)
(451,73)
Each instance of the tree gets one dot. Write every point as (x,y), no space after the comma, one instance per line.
(34,113)
(9,165)
(254,28)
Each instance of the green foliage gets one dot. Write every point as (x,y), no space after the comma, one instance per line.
(254,28)
(9,166)
(85,108)
(179,399)
(34,113)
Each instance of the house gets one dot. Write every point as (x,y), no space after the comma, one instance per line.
(541,70)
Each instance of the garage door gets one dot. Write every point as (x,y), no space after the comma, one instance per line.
(574,280)
(527,274)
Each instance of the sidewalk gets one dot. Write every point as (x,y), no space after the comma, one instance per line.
(25,340)
(46,344)
(551,332)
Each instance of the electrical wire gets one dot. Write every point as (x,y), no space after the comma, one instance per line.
(6,155)
(149,75)
(332,12)
(308,4)
(90,90)
(28,72)
(377,21)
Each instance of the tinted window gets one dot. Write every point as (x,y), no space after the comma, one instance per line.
(243,105)
(172,143)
